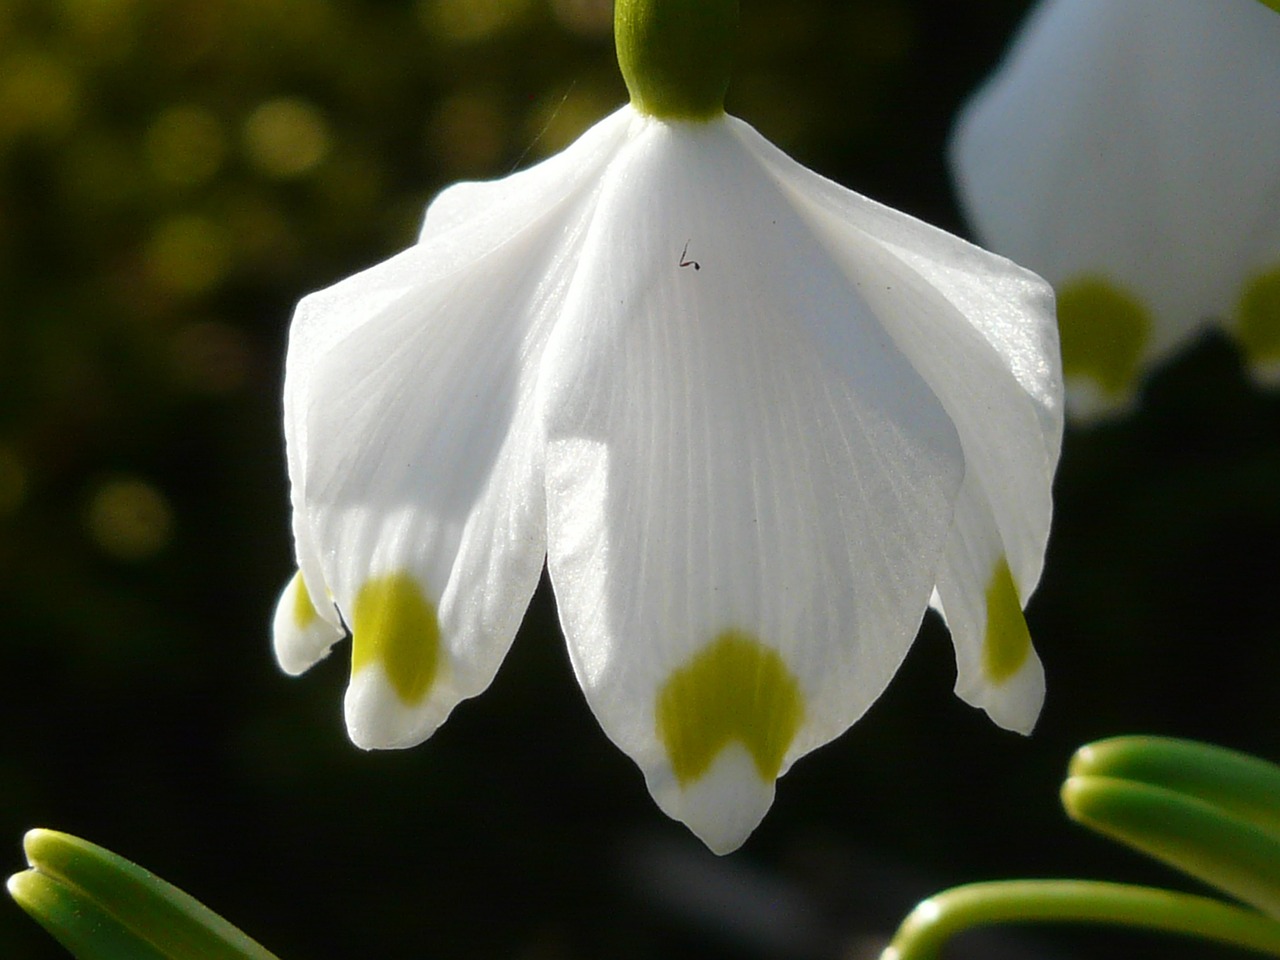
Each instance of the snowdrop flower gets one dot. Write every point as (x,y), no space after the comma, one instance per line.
(750,421)
(1127,152)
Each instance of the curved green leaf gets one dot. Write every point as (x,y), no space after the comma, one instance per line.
(101,906)
(1208,842)
(1239,783)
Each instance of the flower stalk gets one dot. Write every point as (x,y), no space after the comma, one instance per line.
(676,55)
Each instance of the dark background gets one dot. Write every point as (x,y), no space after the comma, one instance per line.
(174,174)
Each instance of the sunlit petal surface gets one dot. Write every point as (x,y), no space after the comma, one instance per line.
(753,422)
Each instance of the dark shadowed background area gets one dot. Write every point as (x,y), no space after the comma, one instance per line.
(174,174)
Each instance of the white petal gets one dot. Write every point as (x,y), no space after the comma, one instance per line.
(981,332)
(414,452)
(979,596)
(745,476)
(1133,143)
(300,635)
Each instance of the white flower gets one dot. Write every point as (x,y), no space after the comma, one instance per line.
(1127,150)
(749,419)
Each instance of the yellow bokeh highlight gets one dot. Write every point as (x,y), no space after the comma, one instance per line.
(586,17)
(1007,642)
(394,624)
(129,519)
(286,137)
(468,21)
(1104,331)
(39,94)
(735,690)
(188,254)
(1258,317)
(106,27)
(185,145)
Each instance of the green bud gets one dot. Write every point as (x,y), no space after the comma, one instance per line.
(676,55)
(102,907)
(1240,784)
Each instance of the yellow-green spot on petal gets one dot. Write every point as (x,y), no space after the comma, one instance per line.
(393,623)
(304,611)
(734,690)
(1007,642)
(1258,326)
(1104,330)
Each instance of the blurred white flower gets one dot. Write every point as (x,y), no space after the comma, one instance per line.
(749,419)
(1127,151)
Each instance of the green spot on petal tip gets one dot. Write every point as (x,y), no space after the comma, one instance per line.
(304,611)
(676,55)
(1258,324)
(1007,641)
(734,690)
(393,623)
(1104,331)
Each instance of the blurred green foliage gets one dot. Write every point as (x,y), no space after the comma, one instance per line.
(174,174)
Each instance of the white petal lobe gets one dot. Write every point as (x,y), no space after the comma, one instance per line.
(980,330)
(300,635)
(415,456)
(745,477)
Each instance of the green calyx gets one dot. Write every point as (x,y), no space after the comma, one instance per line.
(676,55)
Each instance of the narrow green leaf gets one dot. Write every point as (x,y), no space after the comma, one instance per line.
(76,922)
(1237,782)
(99,904)
(1221,848)
(934,921)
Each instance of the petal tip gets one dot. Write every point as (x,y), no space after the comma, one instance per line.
(301,637)
(724,805)
(378,719)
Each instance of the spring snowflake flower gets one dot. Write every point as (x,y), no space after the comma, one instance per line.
(750,420)
(1127,152)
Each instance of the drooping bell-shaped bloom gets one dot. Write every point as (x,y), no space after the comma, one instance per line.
(1127,151)
(750,420)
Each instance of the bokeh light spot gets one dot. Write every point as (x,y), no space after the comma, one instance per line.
(38,94)
(467,21)
(1258,324)
(188,254)
(286,137)
(185,145)
(129,519)
(104,26)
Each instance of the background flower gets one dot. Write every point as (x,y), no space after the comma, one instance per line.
(1126,151)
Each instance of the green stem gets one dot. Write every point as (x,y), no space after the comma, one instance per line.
(928,927)
(676,55)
